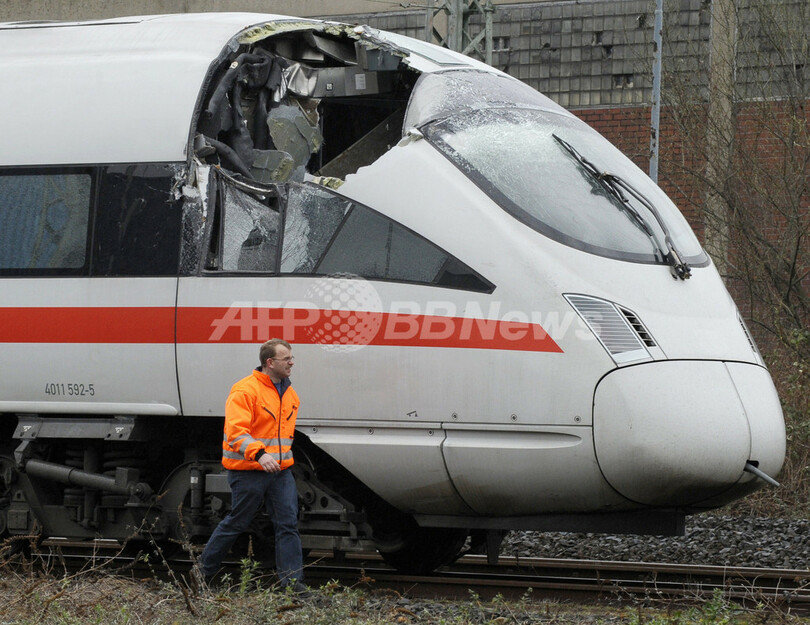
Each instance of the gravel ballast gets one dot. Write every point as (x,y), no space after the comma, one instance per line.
(709,539)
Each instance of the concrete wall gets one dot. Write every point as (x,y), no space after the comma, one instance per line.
(14,10)
(580,54)
(11,10)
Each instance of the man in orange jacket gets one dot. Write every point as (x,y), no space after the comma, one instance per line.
(260,418)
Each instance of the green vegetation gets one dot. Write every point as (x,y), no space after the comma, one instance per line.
(31,596)
(715,611)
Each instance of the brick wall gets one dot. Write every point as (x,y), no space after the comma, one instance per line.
(594,57)
(771,164)
(628,128)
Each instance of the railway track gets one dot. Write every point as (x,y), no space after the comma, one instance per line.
(588,580)
(569,579)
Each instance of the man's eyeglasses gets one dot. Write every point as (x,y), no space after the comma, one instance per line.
(287,359)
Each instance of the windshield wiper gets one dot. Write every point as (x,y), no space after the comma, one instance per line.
(617,188)
(679,268)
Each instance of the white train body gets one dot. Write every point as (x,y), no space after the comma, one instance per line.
(461,350)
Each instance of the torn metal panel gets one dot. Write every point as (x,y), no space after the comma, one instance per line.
(260,32)
(300,80)
(423,56)
(263,118)
(272,166)
(292,132)
(375,58)
(366,150)
(336,49)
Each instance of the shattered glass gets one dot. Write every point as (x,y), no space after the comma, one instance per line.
(43,221)
(513,156)
(438,95)
(251,233)
(313,216)
(195,202)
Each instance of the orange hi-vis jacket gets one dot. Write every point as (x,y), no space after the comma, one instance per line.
(257,418)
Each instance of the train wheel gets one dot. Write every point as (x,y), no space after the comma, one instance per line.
(421,550)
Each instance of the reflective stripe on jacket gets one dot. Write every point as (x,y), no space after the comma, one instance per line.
(255,419)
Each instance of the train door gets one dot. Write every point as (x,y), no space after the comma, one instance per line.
(88,266)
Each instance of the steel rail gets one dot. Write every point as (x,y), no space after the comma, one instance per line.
(578,580)
(596,579)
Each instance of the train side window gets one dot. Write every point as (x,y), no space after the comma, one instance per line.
(44,222)
(351,238)
(312,218)
(250,232)
(373,246)
(138,222)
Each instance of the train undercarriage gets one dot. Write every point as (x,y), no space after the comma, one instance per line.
(85,479)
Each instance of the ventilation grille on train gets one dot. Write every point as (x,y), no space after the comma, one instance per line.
(619,330)
(750,338)
(638,327)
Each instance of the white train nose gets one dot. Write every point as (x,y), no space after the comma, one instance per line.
(680,432)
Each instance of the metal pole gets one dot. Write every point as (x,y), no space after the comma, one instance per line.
(656,95)
(488,11)
(429,21)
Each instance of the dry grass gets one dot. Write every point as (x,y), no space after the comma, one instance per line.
(30,595)
(33,594)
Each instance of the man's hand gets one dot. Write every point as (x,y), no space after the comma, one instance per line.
(268,464)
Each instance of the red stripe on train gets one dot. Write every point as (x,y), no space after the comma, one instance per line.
(254,325)
(338,327)
(87,325)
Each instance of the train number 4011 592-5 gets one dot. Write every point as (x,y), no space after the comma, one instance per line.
(69,389)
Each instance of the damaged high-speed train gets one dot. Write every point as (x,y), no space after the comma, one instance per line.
(499,321)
